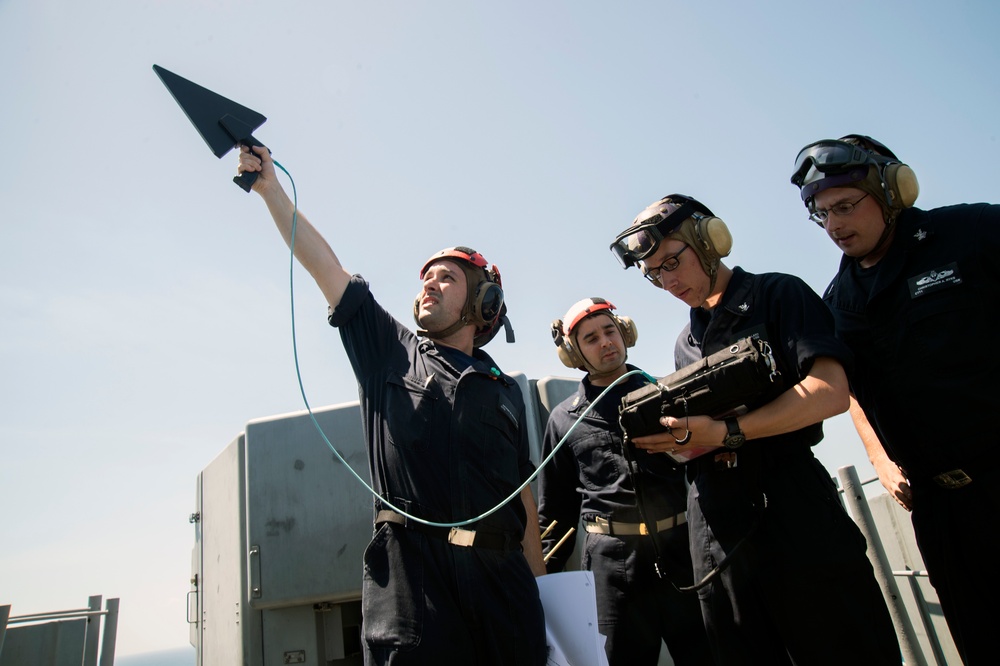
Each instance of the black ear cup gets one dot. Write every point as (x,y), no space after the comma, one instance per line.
(487,303)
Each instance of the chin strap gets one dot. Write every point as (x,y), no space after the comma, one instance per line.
(454,328)
(508,330)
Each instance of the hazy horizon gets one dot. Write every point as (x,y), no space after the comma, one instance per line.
(185,656)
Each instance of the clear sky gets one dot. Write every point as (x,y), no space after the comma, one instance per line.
(145,297)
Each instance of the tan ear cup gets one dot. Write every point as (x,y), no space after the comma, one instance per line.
(568,355)
(564,348)
(903,185)
(628,330)
(715,232)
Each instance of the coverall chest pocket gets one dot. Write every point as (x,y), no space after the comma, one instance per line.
(928,338)
(600,466)
(409,412)
(499,444)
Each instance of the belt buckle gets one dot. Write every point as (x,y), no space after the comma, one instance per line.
(460,537)
(604,525)
(642,529)
(726,460)
(953,479)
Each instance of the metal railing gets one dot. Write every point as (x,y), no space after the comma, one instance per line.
(852,489)
(93,634)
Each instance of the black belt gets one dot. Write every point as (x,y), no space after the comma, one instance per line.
(456,536)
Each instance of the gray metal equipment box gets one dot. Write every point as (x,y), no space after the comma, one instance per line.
(281,527)
(280,530)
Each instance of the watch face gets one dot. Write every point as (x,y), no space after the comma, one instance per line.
(735,438)
(734,441)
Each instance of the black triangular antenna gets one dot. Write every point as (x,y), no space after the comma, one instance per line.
(222,123)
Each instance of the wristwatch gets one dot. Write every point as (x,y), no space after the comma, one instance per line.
(735,437)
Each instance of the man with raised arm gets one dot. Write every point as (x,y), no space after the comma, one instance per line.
(447,441)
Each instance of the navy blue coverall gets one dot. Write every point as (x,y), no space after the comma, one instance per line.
(446,442)
(919,323)
(589,477)
(799,587)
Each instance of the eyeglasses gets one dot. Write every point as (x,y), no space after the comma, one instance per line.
(669,264)
(842,209)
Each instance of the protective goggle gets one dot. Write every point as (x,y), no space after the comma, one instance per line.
(829,156)
(642,238)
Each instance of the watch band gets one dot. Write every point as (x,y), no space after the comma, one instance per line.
(734,434)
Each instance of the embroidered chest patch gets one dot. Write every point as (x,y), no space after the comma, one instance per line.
(935,280)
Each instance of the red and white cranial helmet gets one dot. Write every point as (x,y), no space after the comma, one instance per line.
(484,303)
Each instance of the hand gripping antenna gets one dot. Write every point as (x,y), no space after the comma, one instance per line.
(221,122)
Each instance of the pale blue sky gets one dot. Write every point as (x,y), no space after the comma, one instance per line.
(145,298)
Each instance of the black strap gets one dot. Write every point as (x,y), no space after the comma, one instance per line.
(721,566)
(635,477)
(491,541)
(707,464)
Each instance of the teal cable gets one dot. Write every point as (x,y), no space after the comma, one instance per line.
(305,400)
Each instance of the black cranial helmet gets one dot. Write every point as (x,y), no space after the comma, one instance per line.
(855,160)
(656,222)
(678,217)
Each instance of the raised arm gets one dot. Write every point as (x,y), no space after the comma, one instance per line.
(311,249)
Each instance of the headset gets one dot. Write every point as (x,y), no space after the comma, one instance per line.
(562,333)
(484,306)
(658,220)
(713,234)
(846,161)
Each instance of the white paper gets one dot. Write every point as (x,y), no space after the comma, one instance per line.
(570,604)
